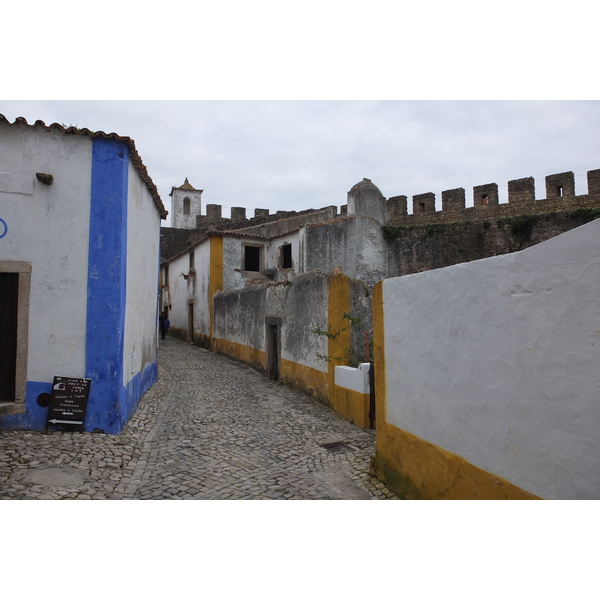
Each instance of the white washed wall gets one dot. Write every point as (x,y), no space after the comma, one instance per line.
(232,264)
(201,290)
(498,361)
(178,292)
(48,226)
(143,234)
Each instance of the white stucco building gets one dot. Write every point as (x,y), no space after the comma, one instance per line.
(79,265)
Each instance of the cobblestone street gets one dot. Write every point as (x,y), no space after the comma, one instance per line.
(211,428)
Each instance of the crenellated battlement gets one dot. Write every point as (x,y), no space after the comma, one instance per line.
(214,217)
(560,196)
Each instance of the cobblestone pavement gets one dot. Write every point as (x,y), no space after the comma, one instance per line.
(211,428)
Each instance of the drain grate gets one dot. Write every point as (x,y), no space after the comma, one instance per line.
(338,447)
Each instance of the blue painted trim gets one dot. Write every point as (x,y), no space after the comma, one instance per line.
(107,278)
(4,227)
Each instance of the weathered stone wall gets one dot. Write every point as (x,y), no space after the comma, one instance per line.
(560,197)
(314,302)
(430,239)
(417,248)
(215,221)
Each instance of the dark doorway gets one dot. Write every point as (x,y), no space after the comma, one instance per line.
(273,347)
(9,298)
(191,322)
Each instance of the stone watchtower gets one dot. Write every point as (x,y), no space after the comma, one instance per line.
(185,206)
(368,252)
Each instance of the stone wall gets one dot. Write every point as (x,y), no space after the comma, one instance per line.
(560,197)
(302,311)
(417,248)
(214,220)
(430,239)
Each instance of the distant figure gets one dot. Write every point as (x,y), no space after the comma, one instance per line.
(164,324)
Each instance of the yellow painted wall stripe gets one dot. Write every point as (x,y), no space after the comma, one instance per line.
(215,277)
(415,468)
(338,304)
(299,376)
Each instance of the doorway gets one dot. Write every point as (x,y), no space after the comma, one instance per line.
(191,322)
(273,332)
(9,302)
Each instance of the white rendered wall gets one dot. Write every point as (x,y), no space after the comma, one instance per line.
(179,292)
(353,379)
(48,226)
(202,298)
(179,220)
(143,234)
(232,264)
(498,361)
(273,250)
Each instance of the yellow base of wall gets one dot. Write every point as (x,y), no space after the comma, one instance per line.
(294,374)
(304,378)
(257,359)
(418,470)
(351,405)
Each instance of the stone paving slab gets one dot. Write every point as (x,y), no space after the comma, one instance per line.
(211,428)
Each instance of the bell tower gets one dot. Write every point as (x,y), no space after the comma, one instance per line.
(186,205)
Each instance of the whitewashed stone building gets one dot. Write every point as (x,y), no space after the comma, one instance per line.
(79,265)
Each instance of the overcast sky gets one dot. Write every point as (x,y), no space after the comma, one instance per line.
(294,155)
(267,125)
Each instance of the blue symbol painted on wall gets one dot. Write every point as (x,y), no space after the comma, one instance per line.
(3,228)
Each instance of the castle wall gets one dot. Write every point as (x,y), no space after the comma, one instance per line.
(521,201)
(432,240)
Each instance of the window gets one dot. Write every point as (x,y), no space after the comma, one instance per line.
(559,190)
(286,256)
(252,258)
(187,206)
(191,261)
(484,200)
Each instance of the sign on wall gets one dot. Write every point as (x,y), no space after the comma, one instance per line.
(69,400)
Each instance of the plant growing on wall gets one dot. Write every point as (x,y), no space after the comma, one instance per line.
(353,357)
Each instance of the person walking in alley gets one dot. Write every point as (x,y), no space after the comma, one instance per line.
(164,324)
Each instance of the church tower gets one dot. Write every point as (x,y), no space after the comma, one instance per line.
(185,206)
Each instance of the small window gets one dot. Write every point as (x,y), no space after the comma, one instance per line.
(252,258)
(187,206)
(422,207)
(286,256)
(191,261)
(484,200)
(559,190)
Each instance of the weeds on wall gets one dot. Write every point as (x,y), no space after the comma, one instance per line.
(351,356)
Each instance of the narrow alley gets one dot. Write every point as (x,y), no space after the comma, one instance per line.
(211,428)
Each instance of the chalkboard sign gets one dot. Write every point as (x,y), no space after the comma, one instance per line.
(68,401)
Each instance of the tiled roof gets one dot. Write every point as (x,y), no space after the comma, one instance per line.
(133,153)
(186,186)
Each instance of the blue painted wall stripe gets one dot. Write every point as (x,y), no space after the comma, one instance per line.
(107,284)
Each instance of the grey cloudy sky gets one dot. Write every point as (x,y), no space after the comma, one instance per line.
(294,155)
